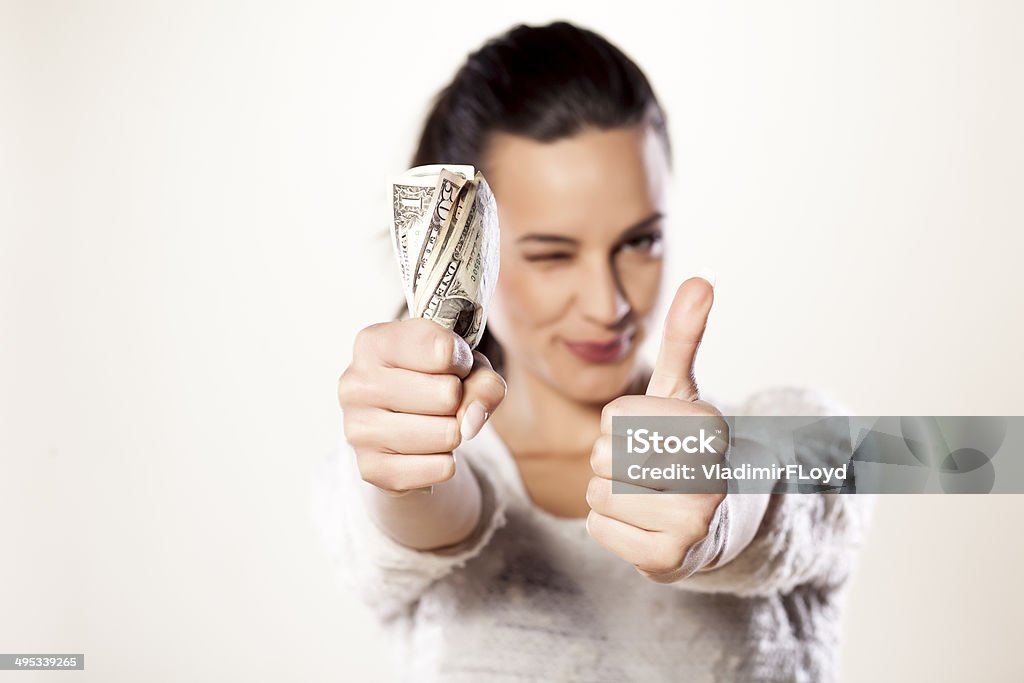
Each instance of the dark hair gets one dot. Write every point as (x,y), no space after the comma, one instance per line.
(541,82)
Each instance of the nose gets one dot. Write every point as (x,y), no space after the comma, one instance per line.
(601,298)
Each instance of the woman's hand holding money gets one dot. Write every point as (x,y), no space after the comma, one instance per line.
(413,393)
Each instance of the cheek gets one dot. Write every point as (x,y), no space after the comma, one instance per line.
(525,299)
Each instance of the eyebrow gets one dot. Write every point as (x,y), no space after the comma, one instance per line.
(562,239)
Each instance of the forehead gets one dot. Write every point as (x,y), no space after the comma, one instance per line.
(597,182)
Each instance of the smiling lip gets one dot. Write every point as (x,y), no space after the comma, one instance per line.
(602,352)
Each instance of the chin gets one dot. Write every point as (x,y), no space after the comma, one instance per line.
(596,383)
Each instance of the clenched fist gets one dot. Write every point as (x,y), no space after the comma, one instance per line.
(653,532)
(413,393)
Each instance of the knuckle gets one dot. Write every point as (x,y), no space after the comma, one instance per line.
(598,453)
(594,498)
(397,479)
(441,344)
(713,411)
(479,362)
(488,386)
(363,428)
(377,469)
(665,556)
(351,388)
(659,565)
(482,361)
(356,432)
(388,481)
(591,525)
(450,436)
(608,412)
(449,393)
(497,387)
(369,464)
(447,470)
(345,387)
(367,339)
(614,408)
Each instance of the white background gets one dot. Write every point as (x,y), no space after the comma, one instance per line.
(191,203)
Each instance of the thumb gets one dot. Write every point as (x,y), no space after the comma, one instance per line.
(673,375)
(482,391)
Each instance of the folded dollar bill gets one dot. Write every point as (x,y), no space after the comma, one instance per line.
(444,230)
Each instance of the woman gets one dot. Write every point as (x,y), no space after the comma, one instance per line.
(471,506)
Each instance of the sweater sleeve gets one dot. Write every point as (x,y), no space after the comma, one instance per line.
(383,574)
(803,538)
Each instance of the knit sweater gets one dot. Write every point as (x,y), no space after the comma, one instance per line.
(529,596)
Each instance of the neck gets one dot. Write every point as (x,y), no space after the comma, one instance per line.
(535,418)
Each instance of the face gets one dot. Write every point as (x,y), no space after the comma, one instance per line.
(581,255)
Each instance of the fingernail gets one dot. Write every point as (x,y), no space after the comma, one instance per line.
(708,274)
(405,492)
(473,420)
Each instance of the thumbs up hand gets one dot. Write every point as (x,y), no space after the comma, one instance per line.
(654,532)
